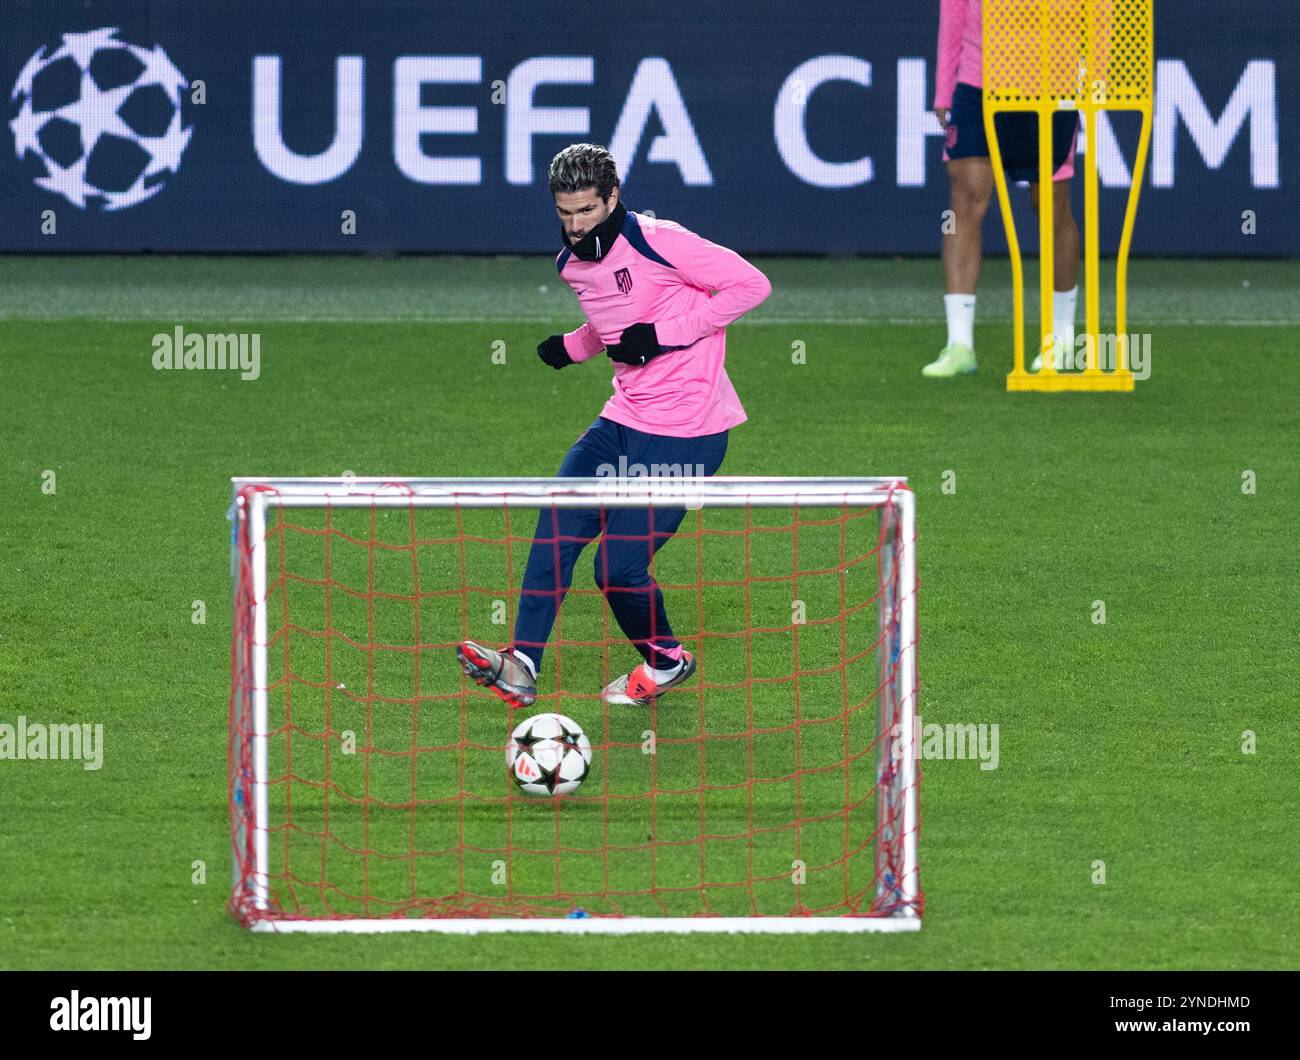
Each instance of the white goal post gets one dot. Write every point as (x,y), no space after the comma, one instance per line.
(270,894)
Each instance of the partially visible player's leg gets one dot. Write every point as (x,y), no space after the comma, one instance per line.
(562,534)
(1065,235)
(1065,230)
(560,537)
(970,181)
(622,567)
(1065,273)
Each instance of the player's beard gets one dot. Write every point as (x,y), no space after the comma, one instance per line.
(596,243)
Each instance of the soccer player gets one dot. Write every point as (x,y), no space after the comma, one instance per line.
(959,106)
(657,298)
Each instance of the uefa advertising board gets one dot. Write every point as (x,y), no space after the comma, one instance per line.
(772,127)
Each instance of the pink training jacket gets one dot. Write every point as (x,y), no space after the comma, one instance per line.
(961,45)
(658,272)
(961,58)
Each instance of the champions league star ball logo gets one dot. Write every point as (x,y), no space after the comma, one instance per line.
(103,117)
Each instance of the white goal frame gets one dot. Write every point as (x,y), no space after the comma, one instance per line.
(254,497)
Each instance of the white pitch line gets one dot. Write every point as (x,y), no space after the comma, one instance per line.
(262,318)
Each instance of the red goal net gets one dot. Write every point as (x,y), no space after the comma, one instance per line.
(774,790)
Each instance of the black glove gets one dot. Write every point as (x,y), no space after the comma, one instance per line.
(552,351)
(637,345)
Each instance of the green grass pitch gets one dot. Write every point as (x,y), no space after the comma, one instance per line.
(1120,742)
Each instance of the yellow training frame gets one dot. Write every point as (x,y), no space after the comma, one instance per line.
(1089,56)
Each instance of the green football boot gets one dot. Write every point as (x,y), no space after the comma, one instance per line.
(953,360)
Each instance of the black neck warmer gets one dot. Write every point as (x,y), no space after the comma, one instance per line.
(596,243)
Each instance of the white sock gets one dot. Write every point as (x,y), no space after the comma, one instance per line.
(1063,306)
(528,663)
(961,319)
(663,676)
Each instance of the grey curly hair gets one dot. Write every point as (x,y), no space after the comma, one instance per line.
(581,166)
